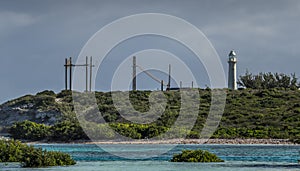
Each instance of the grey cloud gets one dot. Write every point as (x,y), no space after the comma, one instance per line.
(264,33)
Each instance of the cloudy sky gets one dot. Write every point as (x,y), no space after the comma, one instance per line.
(36,36)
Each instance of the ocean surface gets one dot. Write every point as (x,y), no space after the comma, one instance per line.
(237,157)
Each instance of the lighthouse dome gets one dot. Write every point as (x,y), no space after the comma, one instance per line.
(232,53)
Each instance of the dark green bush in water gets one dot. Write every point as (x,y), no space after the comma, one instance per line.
(196,156)
(28,156)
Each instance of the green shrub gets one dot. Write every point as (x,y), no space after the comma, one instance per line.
(40,158)
(64,93)
(67,131)
(44,102)
(47,92)
(28,156)
(196,156)
(11,151)
(138,131)
(29,130)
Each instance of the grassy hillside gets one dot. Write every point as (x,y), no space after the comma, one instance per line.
(268,113)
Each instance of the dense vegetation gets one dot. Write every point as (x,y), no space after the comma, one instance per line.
(29,130)
(196,156)
(64,131)
(249,113)
(28,156)
(268,81)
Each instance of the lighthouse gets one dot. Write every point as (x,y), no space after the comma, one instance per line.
(232,83)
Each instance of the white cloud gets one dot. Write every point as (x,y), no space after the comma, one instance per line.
(12,20)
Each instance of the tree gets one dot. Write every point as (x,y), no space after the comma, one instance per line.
(29,130)
(268,81)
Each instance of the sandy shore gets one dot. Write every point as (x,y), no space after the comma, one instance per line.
(201,141)
(184,141)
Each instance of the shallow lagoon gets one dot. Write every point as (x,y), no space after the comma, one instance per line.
(238,157)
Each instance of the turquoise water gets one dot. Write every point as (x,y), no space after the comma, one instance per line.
(237,157)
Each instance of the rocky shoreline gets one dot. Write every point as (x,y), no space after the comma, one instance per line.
(250,141)
(182,141)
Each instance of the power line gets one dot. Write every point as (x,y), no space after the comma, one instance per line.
(150,75)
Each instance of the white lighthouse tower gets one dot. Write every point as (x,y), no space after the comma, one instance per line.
(232,82)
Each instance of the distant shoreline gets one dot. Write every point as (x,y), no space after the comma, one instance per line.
(182,141)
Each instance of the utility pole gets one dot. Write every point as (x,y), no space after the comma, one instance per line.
(169,80)
(86,73)
(134,74)
(162,85)
(70,65)
(66,74)
(91,72)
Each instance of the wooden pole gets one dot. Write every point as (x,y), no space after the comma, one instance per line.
(192,84)
(86,73)
(134,74)
(66,74)
(91,72)
(162,85)
(70,64)
(169,81)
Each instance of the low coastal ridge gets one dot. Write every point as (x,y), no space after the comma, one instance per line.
(251,116)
